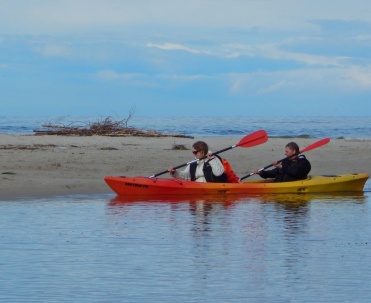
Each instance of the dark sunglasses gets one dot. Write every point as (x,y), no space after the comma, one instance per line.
(195,152)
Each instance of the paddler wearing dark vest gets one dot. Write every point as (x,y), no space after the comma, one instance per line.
(209,169)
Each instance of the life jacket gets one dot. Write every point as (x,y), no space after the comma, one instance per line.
(227,177)
(231,175)
(291,170)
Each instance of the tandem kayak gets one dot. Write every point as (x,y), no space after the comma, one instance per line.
(136,186)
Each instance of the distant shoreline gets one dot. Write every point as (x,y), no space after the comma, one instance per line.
(41,166)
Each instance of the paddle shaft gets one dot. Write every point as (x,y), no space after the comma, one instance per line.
(308,148)
(195,160)
(268,166)
(252,139)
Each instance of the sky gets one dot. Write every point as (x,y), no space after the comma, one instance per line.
(185,58)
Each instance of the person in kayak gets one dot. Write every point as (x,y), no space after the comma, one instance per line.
(209,169)
(293,167)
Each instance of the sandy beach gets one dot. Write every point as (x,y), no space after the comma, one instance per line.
(40,166)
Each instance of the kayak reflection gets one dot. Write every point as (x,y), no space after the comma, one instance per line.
(254,218)
(289,200)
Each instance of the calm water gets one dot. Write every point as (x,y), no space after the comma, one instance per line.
(314,127)
(260,249)
(267,248)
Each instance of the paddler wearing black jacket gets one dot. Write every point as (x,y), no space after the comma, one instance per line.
(293,167)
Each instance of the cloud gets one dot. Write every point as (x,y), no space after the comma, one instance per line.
(178,50)
(274,52)
(275,87)
(173,47)
(125,78)
(71,16)
(314,81)
(362,37)
(361,75)
(144,80)
(54,50)
(109,75)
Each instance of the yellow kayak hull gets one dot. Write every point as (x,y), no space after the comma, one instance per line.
(128,186)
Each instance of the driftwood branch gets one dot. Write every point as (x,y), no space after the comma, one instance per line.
(104,127)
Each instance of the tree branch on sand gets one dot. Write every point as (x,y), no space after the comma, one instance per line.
(103,127)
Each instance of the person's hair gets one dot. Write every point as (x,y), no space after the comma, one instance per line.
(201,145)
(293,146)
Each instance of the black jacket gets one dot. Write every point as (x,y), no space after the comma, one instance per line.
(292,170)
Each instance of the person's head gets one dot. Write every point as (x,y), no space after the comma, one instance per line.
(291,149)
(200,149)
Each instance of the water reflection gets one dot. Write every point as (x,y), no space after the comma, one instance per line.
(254,248)
(289,211)
(292,202)
(252,236)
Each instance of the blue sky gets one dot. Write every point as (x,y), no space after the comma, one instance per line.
(185,58)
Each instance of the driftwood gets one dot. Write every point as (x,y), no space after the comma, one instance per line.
(105,127)
(28,147)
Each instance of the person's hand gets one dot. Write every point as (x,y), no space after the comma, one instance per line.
(171,170)
(210,156)
(277,164)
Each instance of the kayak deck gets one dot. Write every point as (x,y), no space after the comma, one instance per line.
(125,186)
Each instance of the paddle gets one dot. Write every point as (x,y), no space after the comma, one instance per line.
(253,139)
(308,148)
